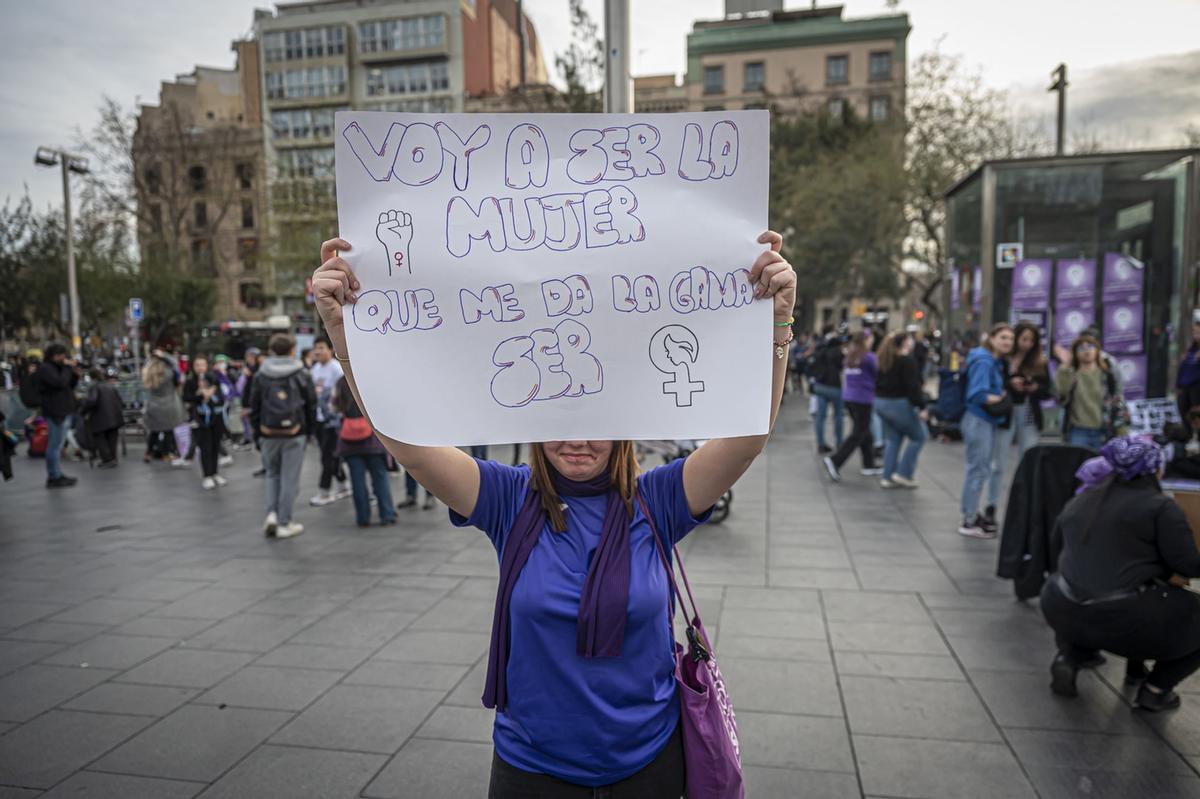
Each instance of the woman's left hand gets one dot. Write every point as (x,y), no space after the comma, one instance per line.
(774,277)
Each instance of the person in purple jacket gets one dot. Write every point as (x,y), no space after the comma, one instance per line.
(581,671)
(858,395)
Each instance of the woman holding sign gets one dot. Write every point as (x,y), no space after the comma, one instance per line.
(581,671)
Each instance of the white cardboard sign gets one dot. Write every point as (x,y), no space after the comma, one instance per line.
(533,277)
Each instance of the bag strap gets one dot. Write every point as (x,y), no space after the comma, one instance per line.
(662,554)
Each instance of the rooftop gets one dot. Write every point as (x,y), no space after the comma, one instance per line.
(791,28)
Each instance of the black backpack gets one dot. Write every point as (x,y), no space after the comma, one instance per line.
(30,390)
(826,366)
(282,414)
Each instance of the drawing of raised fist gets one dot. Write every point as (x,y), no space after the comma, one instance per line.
(395,233)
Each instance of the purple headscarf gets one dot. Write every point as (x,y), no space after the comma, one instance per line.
(1126,457)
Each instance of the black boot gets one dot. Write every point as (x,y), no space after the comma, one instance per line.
(1062,676)
(1155,700)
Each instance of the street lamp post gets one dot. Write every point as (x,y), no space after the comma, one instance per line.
(48,156)
(618,86)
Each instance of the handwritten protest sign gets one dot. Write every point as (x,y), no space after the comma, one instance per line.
(530,277)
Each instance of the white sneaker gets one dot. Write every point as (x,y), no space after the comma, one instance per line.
(872,472)
(885,483)
(971,529)
(832,469)
(271,525)
(289,530)
(179,463)
(904,482)
(323,498)
(219,480)
(208,484)
(225,460)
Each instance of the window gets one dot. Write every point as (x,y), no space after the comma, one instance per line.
(880,108)
(202,262)
(250,295)
(156,219)
(153,180)
(307,43)
(297,84)
(248,254)
(273,49)
(293,45)
(427,105)
(245,176)
(274,85)
(200,214)
(410,33)
(301,123)
(837,109)
(307,163)
(881,65)
(837,69)
(419,76)
(247,213)
(755,76)
(714,79)
(197,178)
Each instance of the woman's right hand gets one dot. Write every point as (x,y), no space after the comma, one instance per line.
(334,285)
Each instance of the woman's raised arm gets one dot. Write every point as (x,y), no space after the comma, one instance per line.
(712,469)
(449,473)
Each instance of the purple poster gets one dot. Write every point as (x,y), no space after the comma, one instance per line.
(1071,319)
(977,289)
(1075,280)
(1123,327)
(1031,284)
(1123,276)
(955,291)
(1131,370)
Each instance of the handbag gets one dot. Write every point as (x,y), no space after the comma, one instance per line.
(711,754)
(355,428)
(1001,409)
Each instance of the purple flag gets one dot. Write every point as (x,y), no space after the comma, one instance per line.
(1071,319)
(1031,284)
(1123,323)
(1131,369)
(977,289)
(1075,279)
(955,291)
(1122,278)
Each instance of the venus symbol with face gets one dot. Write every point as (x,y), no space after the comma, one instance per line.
(1032,275)
(1075,275)
(1123,318)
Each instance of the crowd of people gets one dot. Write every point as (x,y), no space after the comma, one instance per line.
(201,410)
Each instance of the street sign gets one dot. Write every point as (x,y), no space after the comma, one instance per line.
(135,309)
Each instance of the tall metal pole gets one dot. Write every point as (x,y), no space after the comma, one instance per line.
(72,283)
(1060,85)
(618,85)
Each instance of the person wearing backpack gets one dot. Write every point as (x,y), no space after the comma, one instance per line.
(363,454)
(283,414)
(55,381)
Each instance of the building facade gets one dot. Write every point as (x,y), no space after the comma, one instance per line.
(199,177)
(799,60)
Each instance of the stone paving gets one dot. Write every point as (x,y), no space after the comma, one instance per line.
(153,644)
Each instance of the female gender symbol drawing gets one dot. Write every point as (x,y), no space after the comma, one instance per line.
(673,351)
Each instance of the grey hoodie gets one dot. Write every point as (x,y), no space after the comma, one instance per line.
(278,366)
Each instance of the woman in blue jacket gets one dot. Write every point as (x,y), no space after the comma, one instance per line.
(986,400)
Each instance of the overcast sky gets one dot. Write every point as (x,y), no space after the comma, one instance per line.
(1135,68)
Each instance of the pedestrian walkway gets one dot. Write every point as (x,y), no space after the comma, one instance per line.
(153,644)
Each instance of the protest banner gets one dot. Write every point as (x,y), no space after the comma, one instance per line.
(530,277)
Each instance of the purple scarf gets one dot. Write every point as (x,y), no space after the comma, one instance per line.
(1126,457)
(604,603)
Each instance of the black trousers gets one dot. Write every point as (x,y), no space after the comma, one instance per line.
(859,438)
(331,465)
(106,444)
(161,443)
(208,440)
(1160,623)
(663,778)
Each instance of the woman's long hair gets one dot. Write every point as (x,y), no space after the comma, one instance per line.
(154,373)
(622,468)
(858,348)
(889,351)
(1033,363)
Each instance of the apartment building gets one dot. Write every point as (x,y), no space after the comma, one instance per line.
(199,175)
(799,60)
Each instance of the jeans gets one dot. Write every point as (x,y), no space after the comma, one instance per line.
(376,464)
(876,429)
(331,464)
(826,395)
(900,421)
(58,436)
(860,437)
(1026,433)
(980,437)
(1090,437)
(1161,623)
(282,458)
(662,778)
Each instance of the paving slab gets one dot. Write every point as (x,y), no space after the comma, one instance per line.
(53,746)
(284,772)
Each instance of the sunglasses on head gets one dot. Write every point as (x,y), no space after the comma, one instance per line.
(1087,346)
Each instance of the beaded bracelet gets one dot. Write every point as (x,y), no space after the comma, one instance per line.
(781,346)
